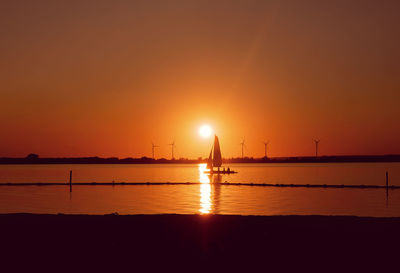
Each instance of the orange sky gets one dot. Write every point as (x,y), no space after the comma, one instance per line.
(86,78)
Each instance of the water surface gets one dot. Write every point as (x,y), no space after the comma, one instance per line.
(206,197)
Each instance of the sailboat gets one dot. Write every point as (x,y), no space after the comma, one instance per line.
(215,160)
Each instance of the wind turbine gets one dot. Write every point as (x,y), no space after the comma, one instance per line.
(265,148)
(172,148)
(316,146)
(152,149)
(243,145)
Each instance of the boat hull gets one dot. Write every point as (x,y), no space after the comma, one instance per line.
(220,172)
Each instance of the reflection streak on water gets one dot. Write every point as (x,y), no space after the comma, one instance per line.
(205,190)
(206,198)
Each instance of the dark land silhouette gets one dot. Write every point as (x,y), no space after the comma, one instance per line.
(192,243)
(35,159)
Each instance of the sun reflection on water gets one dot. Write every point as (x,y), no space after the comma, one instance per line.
(205,190)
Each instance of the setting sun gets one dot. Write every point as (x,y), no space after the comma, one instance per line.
(203,135)
(205,131)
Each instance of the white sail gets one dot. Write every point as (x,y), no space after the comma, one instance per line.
(217,158)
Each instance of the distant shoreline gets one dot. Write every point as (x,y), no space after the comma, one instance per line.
(34,159)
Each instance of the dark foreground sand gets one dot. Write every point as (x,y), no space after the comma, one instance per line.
(210,243)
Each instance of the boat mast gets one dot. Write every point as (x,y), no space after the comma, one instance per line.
(210,160)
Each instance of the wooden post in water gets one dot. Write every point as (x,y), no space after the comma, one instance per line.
(70,181)
(387,189)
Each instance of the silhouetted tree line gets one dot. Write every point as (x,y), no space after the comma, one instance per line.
(313,159)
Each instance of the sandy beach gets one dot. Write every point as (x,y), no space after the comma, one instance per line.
(198,242)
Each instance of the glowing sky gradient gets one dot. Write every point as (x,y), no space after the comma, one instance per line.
(106,78)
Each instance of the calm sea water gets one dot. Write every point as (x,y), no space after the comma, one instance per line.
(206,197)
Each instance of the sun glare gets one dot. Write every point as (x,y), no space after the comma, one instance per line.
(205,131)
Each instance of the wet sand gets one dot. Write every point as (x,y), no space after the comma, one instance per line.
(213,243)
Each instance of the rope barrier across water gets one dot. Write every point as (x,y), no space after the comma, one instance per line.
(199,183)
